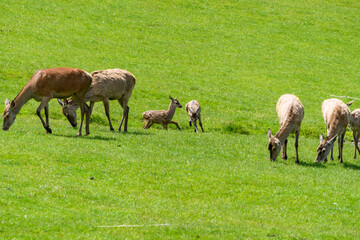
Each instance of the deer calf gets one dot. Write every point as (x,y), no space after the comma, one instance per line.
(163,117)
(193,109)
(336,115)
(290,112)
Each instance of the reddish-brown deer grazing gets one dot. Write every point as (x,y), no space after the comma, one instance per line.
(193,109)
(111,84)
(355,127)
(51,83)
(163,117)
(337,116)
(291,112)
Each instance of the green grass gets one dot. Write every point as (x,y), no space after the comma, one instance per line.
(236,58)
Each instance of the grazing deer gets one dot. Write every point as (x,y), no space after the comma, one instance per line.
(163,117)
(111,84)
(51,83)
(336,115)
(290,112)
(193,109)
(355,127)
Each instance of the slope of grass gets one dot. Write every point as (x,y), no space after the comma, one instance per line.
(236,58)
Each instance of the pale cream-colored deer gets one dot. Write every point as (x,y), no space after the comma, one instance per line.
(291,113)
(51,83)
(163,117)
(110,84)
(193,109)
(354,124)
(337,116)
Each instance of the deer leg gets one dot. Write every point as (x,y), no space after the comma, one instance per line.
(341,147)
(126,116)
(176,124)
(196,130)
(148,124)
(284,155)
(107,112)
(200,123)
(46,109)
(165,126)
(44,104)
(297,145)
(88,114)
(82,110)
(332,150)
(355,143)
(190,123)
(357,140)
(123,101)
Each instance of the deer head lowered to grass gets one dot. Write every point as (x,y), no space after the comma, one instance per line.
(336,115)
(290,112)
(51,83)
(110,84)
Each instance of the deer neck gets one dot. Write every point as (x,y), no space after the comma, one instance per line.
(283,133)
(171,111)
(23,97)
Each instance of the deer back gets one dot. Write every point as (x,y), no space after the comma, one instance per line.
(111,84)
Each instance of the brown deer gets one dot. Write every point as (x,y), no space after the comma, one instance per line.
(163,117)
(193,109)
(290,112)
(336,115)
(111,84)
(51,83)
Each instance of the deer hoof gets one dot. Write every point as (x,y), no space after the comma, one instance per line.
(48,130)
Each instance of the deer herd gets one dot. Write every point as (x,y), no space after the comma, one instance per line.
(75,87)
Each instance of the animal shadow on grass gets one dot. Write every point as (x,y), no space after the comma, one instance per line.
(140,133)
(311,164)
(88,137)
(351,166)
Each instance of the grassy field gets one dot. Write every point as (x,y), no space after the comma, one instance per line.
(236,58)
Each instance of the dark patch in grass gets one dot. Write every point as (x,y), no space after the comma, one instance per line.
(88,137)
(351,166)
(140,133)
(235,128)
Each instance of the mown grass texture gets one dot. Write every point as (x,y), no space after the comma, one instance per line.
(236,58)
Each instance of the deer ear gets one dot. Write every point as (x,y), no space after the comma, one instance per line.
(321,138)
(333,139)
(170,98)
(60,102)
(12,104)
(7,102)
(349,103)
(269,133)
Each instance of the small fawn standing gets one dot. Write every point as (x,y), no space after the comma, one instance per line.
(163,117)
(193,109)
